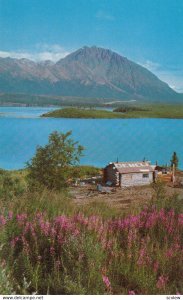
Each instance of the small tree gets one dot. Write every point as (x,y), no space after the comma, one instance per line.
(51,165)
(174,160)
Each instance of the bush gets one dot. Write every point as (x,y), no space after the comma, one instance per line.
(51,165)
(10,186)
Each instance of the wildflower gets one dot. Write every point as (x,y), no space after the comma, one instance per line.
(57,264)
(21,218)
(130,238)
(2,220)
(141,257)
(162,281)
(10,215)
(144,258)
(155,266)
(131,292)
(180,219)
(52,250)
(106,282)
(76,232)
(169,253)
(14,241)
(45,227)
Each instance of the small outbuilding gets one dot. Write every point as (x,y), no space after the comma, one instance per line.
(124,174)
(165,174)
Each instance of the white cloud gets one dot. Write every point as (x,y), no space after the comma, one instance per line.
(102,15)
(172,76)
(151,65)
(42,52)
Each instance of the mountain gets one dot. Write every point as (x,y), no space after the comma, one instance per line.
(87,72)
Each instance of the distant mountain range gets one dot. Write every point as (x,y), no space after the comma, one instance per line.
(90,72)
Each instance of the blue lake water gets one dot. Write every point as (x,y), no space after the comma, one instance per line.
(21,130)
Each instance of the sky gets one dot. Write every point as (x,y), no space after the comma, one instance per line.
(149,32)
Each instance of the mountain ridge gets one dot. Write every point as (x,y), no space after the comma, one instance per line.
(86,72)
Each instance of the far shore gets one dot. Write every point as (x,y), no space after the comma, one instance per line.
(145,111)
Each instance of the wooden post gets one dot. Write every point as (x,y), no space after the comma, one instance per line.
(173,175)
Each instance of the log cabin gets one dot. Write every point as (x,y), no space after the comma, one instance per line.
(124,174)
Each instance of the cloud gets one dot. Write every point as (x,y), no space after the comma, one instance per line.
(41,52)
(172,75)
(102,15)
(151,65)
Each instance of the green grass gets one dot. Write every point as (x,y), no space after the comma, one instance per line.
(168,111)
(82,114)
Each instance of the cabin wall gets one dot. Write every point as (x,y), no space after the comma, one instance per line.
(135,179)
(111,175)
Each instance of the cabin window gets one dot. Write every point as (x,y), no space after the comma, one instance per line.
(145,175)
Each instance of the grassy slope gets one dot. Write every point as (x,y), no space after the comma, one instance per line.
(150,111)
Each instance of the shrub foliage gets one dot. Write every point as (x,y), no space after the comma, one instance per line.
(51,165)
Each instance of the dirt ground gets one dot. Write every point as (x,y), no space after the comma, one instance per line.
(122,198)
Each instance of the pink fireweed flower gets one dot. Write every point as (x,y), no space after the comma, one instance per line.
(57,264)
(162,281)
(76,232)
(106,282)
(21,218)
(169,253)
(155,266)
(162,215)
(131,293)
(29,227)
(180,219)
(53,232)
(45,227)
(151,220)
(52,251)
(62,221)
(10,215)
(144,258)
(2,220)
(40,215)
(14,241)
(131,237)
(79,218)
(141,259)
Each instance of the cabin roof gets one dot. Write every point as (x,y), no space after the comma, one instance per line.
(133,167)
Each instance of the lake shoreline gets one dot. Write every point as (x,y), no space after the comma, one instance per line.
(148,112)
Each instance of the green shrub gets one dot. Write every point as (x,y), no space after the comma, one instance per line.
(51,165)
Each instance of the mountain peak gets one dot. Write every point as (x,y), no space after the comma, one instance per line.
(87,72)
